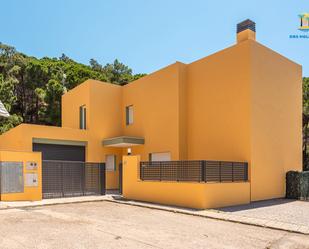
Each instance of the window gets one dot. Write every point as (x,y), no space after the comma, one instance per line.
(129,115)
(82,117)
(110,162)
(161,156)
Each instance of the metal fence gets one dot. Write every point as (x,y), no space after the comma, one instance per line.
(194,171)
(67,179)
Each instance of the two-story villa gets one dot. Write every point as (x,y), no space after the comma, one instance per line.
(243,103)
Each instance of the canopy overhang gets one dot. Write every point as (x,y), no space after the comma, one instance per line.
(123,141)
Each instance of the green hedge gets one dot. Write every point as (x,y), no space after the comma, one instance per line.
(297,185)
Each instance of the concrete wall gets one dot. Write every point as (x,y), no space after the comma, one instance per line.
(185,194)
(30,193)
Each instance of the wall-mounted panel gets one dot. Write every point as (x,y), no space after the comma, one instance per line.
(31,180)
(12,178)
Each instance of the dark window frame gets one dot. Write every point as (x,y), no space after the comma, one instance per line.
(128,115)
(82,117)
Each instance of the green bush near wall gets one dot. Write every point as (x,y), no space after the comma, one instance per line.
(297,185)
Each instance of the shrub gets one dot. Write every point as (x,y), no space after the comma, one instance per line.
(297,185)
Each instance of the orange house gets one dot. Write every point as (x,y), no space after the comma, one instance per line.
(241,104)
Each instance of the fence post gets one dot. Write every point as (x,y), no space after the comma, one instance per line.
(220,171)
(141,171)
(232,171)
(160,171)
(177,165)
(83,176)
(120,178)
(62,178)
(102,178)
(203,172)
(205,166)
(246,172)
(177,171)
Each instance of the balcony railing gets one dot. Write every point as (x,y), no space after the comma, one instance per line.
(194,171)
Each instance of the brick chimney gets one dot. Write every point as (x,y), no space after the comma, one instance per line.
(245,31)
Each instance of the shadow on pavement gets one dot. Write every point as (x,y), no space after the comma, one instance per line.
(256,204)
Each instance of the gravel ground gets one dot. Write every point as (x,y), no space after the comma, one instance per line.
(111,225)
(282,210)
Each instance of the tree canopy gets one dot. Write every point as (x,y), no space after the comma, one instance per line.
(31,88)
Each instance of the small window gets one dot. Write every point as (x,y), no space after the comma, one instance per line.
(161,156)
(110,162)
(82,117)
(129,115)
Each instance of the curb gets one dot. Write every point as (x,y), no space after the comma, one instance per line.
(48,204)
(215,218)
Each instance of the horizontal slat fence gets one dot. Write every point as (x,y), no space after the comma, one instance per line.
(194,171)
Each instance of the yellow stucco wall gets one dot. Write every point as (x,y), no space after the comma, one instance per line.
(71,101)
(30,193)
(245,104)
(104,120)
(20,138)
(156,106)
(185,194)
(12,140)
(245,35)
(218,111)
(276,121)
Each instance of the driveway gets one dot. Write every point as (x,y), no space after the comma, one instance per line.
(112,225)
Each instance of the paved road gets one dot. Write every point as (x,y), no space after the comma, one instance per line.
(111,225)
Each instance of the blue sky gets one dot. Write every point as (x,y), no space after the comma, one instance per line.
(148,34)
